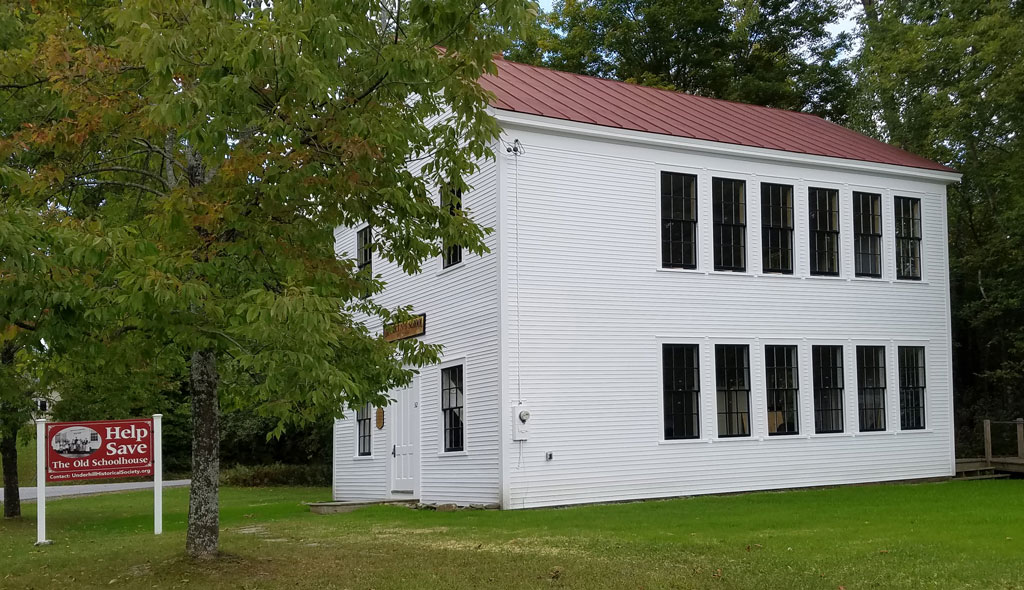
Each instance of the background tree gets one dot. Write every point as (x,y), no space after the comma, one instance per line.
(775,53)
(205,151)
(944,79)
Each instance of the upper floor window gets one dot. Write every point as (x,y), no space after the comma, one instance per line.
(681,390)
(451,408)
(911,363)
(678,220)
(827,370)
(908,238)
(824,215)
(871,387)
(363,430)
(729,210)
(364,252)
(867,234)
(452,199)
(782,388)
(732,368)
(776,228)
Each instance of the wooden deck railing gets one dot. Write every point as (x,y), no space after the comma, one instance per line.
(988,437)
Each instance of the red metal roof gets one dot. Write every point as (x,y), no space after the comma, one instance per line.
(559,95)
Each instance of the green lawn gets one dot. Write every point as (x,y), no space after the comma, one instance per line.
(26,461)
(941,535)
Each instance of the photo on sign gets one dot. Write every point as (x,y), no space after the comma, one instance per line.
(75,442)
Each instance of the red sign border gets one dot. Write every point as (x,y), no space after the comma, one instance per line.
(86,473)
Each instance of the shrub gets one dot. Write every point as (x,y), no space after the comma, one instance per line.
(276,474)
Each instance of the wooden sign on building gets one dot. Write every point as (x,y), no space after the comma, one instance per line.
(417,326)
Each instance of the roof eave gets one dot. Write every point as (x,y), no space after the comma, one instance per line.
(508,117)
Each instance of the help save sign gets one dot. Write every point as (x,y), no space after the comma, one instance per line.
(102,449)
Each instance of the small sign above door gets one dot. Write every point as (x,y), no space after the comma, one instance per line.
(417,326)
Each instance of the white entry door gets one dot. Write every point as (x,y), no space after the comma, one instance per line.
(405,463)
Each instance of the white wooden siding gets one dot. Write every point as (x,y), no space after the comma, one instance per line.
(586,307)
(461,303)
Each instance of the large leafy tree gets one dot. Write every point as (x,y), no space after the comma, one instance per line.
(202,154)
(776,53)
(944,79)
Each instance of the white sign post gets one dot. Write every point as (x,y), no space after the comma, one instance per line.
(158,475)
(41,483)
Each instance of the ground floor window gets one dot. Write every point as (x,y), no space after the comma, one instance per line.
(451,408)
(681,390)
(827,372)
(911,364)
(363,429)
(871,387)
(732,372)
(782,388)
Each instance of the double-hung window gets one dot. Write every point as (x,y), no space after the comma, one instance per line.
(776,228)
(827,370)
(732,371)
(824,217)
(364,254)
(452,199)
(729,210)
(782,388)
(678,220)
(871,387)
(867,234)
(681,390)
(908,238)
(363,440)
(452,408)
(911,360)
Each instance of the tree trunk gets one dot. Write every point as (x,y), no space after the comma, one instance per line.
(203,506)
(9,456)
(9,448)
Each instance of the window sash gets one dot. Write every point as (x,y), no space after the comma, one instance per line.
(729,210)
(867,234)
(912,387)
(871,387)
(908,238)
(452,408)
(678,220)
(452,253)
(681,390)
(777,228)
(732,368)
(827,373)
(823,205)
(782,389)
(363,430)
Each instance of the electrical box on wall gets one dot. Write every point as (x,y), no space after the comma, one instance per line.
(520,422)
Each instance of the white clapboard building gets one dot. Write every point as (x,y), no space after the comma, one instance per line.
(682,296)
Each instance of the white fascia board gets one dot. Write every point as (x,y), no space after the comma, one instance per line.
(511,118)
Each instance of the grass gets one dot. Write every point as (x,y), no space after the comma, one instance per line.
(26,460)
(941,535)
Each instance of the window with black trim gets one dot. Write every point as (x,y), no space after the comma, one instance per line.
(867,234)
(827,372)
(908,238)
(729,210)
(678,220)
(824,215)
(776,228)
(451,408)
(453,201)
(681,390)
(782,388)
(364,253)
(871,387)
(911,365)
(732,371)
(364,442)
